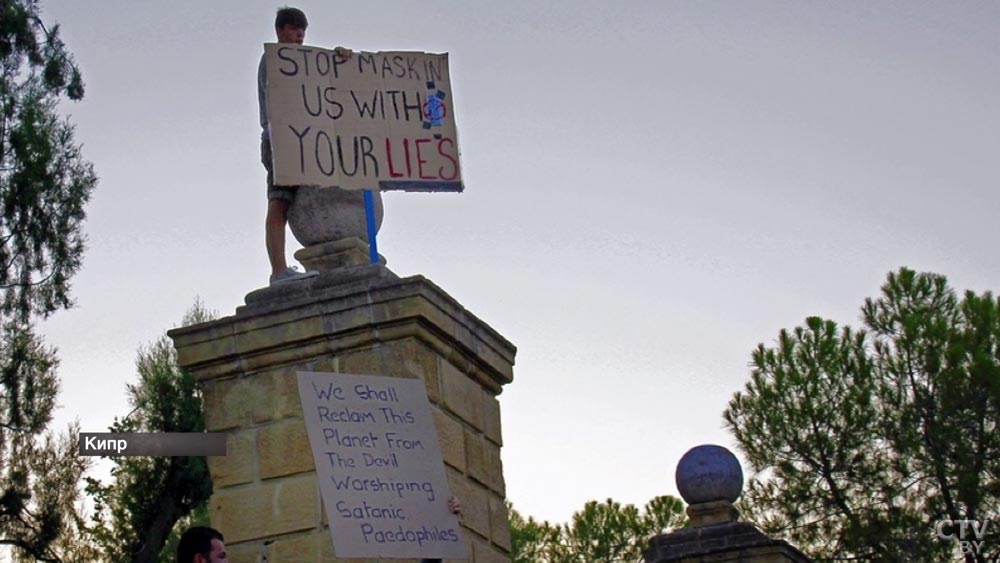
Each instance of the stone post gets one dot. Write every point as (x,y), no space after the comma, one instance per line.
(710,480)
(354,317)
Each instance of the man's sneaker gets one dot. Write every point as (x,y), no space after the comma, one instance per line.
(291,274)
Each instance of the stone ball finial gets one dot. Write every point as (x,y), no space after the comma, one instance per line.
(320,215)
(709,473)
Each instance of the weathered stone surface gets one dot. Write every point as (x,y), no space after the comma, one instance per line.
(461,395)
(710,478)
(269,509)
(242,553)
(336,256)
(223,403)
(314,546)
(709,473)
(283,449)
(306,291)
(277,336)
(284,356)
(358,319)
(319,215)
(484,552)
(203,342)
(732,541)
(494,468)
(406,357)
(499,523)
(207,350)
(491,418)
(483,463)
(475,503)
(715,512)
(237,466)
(451,438)
(346,307)
(475,457)
(280,390)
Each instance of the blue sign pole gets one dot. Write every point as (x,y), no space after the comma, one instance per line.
(370,219)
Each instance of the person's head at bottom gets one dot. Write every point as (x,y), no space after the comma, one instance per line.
(201,544)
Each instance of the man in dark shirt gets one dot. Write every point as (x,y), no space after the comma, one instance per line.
(201,544)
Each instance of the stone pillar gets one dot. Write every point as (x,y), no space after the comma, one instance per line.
(710,480)
(353,317)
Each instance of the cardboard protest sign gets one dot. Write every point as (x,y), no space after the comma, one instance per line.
(379,466)
(376,120)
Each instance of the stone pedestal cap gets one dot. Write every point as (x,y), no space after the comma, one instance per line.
(710,479)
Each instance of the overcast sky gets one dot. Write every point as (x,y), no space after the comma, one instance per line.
(652,188)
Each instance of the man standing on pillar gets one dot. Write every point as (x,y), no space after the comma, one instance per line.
(290,27)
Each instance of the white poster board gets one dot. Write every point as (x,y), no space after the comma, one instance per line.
(376,120)
(379,467)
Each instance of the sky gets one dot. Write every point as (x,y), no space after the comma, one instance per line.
(651,190)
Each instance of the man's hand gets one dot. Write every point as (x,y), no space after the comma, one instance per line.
(454,506)
(343,53)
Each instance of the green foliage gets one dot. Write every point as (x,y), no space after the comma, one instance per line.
(198,517)
(149,495)
(530,540)
(54,518)
(38,475)
(44,181)
(44,185)
(863,440)
(606,532)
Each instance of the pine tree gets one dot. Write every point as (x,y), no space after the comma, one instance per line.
(44,186)
(864,440)
(606,532)
(44,181)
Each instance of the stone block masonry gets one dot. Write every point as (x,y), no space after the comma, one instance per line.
(361,320)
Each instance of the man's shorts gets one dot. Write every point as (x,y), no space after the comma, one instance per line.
(286,193)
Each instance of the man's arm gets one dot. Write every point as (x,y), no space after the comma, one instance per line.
(262,95)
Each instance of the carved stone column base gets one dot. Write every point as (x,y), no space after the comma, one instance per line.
(327,256)
(715,512)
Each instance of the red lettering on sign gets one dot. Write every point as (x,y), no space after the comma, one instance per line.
(421,161)
(388,157)
(445,148)
(453,160)
(406,152)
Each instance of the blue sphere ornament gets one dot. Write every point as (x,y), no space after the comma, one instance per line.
(708,473)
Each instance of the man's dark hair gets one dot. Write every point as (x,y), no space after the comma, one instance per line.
(197,540)
(290,16)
